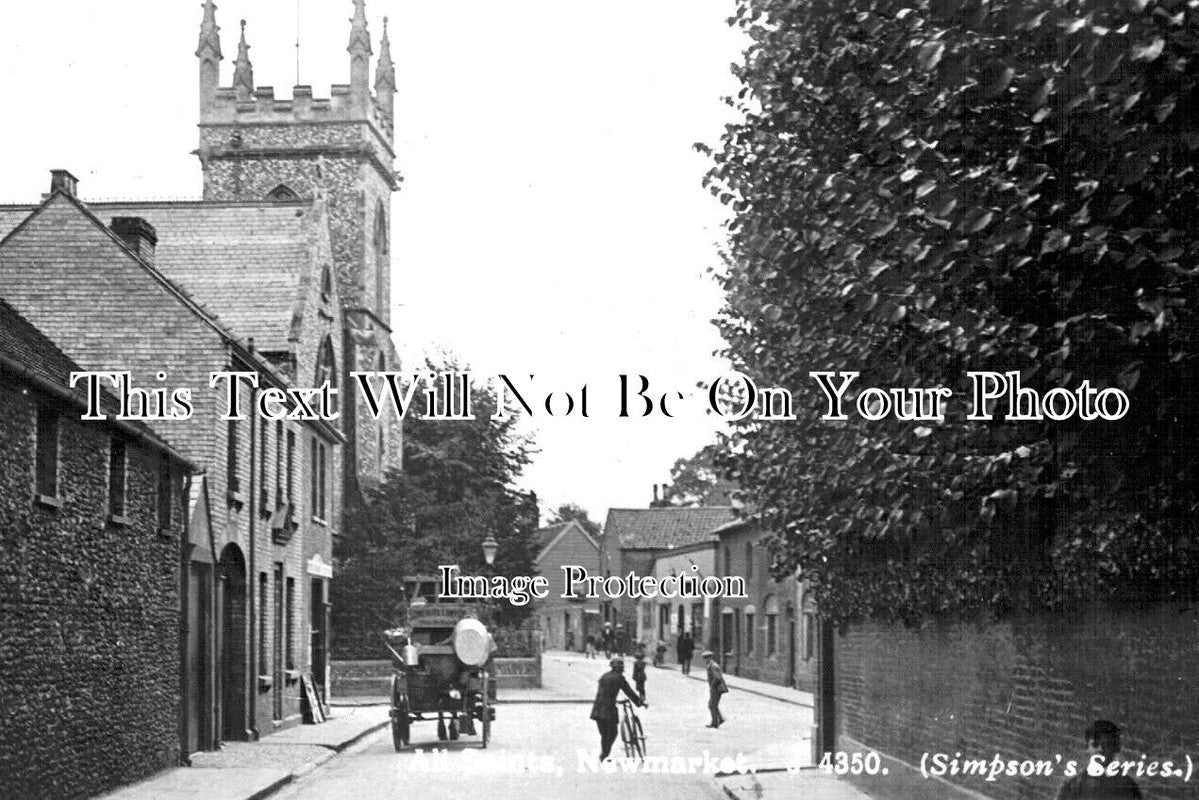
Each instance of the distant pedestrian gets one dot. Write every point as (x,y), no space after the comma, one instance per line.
(716,688)
(591,645)
(639,674)
(621,644)
(685,648)
(603,711)
(606,640)
(1103,742)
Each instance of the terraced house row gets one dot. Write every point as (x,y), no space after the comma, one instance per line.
(178,571)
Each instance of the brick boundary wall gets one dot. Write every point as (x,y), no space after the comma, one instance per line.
(373,678)
(1021,689)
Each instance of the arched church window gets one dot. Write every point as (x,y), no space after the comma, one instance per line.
(382,367)
(326,283)
(282,194)
(382,263)
(326,367)
(380,228)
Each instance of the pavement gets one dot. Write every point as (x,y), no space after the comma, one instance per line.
(543,744)
(253,770)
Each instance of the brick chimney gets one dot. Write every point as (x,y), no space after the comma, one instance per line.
(138,235)
(63,181)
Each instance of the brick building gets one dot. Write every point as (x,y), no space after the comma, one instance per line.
(281,270)
(663,619)
(91,548)
(634,537)
(767,635)
(263,519)
(566,621)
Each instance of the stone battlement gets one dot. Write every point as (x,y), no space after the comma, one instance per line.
(263,108)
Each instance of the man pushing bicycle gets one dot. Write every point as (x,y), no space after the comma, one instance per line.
(603,710)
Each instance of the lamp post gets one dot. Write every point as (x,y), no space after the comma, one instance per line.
(490,546)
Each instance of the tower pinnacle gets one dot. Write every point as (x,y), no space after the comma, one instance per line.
(243,73)
(385,73)
(360,60)
(360,38)
(209,53)
(210,34)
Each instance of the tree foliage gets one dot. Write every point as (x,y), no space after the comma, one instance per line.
(692,479)
(566,512)
(925,187)
(456,488)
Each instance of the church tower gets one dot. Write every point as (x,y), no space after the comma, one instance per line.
(256,148)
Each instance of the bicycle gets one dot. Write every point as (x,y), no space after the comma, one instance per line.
(631,732)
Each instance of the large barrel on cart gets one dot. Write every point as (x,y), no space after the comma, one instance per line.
(443,671)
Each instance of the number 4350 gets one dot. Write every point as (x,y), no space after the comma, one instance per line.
(842,763)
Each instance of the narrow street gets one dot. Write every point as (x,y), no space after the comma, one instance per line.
(545,735)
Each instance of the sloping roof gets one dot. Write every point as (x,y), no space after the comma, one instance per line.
(550,535)
(665,528)
(25,347)
(245,259)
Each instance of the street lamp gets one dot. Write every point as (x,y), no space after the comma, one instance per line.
(490,546)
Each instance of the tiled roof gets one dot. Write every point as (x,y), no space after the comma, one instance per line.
(22,343)
(245,259)
(546,535)
(665,528)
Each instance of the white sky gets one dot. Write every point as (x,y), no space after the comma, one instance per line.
(551,219)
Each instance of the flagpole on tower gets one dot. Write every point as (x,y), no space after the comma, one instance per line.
(297,42)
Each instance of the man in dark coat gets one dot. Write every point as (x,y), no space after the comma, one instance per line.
(603,711)
(716,688)
(685,648)
(1103,743)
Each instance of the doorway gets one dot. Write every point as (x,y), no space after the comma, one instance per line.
(199,736)
(232,643)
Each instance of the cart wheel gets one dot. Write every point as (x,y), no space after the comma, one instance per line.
(486,710)
(453,730)
(441,736)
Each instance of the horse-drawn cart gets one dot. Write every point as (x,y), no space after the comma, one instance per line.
(443,671)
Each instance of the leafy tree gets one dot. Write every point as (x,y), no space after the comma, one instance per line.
(572,511)
(692,479)
(921,188)
(456,488)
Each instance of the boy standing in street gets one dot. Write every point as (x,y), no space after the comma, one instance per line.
(716,688)
(639,674)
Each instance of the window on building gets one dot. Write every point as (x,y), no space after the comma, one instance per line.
(282,194)
(326,368)
(231,458)
(291,471)
(327,283)
(382,422)
(47,453)
(728,560)
(264,448)
(319,471)
(279,500)
(772,625)
(264,660)
(116,477)
(382,263)
(749,633)
(164,494)
(290,642)
(809,636)
(749,560)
